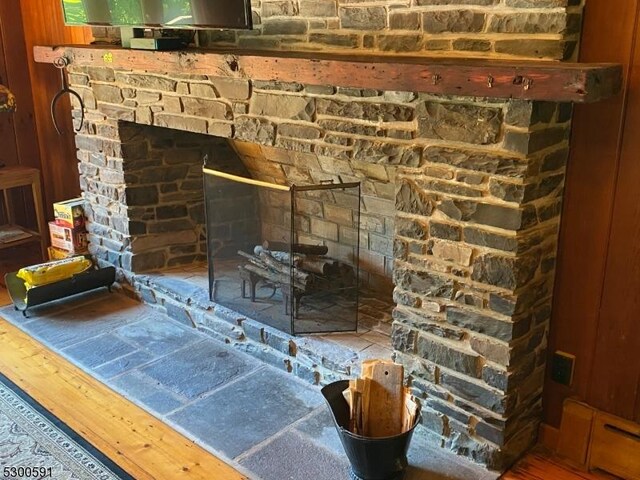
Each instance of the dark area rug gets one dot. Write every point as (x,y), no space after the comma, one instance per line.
(36,444)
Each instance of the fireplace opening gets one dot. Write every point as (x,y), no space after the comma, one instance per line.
(274,253)
(165,233)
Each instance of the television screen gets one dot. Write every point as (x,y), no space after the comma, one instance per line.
(159,13)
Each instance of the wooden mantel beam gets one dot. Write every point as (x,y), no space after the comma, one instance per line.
(529,80)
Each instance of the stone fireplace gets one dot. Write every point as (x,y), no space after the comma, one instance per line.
(461,194)
(460,211)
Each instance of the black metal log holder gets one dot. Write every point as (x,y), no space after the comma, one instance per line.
(24,299)
(370,458)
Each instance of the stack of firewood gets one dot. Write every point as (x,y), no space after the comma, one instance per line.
(312,269)
(380,406)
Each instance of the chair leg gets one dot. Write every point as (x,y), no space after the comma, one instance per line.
(37,201)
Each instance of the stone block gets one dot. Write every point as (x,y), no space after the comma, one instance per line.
(178,312)
(425,321)
(445,355)
(281,26)
(478,393)
(299,131)
(141,195)
(450,121)
(448,409)
(171,211)
(323,229)
(471,45)
(404,20)
(417,367)
(348,127)
(412,199)
(318,8)
(336,40)
(484,238)
(253,330)
(453,21)
(433,420)
(452,252)
(402,338)
(256,130)
(500,329)
(220,129)
(493,215)
(425,283)
(444,231)
(399,43)
(191,124)
(386,153)
(528,143)
(200,107)
(374,112)
(363,18)
(504,272)
(533,47)
(107,93)
(117,112)
(142,262)
(146,81)
(338,214)
(231,88)
(410,228)
(492,350)
(529,22)
(476,160)
(306,373)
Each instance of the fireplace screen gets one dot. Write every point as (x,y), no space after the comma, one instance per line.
(287,256)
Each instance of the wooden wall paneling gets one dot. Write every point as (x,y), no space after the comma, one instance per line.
(8,138)
(615,385)
(591,178)
(20,82)
(8,149)
(43,25)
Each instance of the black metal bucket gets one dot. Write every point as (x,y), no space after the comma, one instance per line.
(371,458)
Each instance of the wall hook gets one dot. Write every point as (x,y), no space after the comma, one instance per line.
(61,63)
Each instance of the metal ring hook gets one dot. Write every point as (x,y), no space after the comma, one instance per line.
(61,63)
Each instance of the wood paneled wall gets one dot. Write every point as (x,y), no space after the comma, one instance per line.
(18,130)
(43,25)
(597,302)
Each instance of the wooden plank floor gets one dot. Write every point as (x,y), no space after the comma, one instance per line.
(540,465)
(142,445)
(137,441)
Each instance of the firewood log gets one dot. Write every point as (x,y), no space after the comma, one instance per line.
(296,248)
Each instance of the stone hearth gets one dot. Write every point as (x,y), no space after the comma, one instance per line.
(461,195)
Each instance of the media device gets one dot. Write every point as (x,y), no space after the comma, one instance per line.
(235,14)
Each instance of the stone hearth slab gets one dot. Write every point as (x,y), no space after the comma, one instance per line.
(197,369)
(239,416)
(147,392)
(96,350)
(261,420)
(156,337)
(296,456)
(120,365)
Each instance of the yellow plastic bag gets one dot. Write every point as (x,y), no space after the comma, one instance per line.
(55,271)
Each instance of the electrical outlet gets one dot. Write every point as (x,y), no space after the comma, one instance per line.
(562,366)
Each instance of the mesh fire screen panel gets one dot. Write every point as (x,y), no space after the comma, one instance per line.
(286,256)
